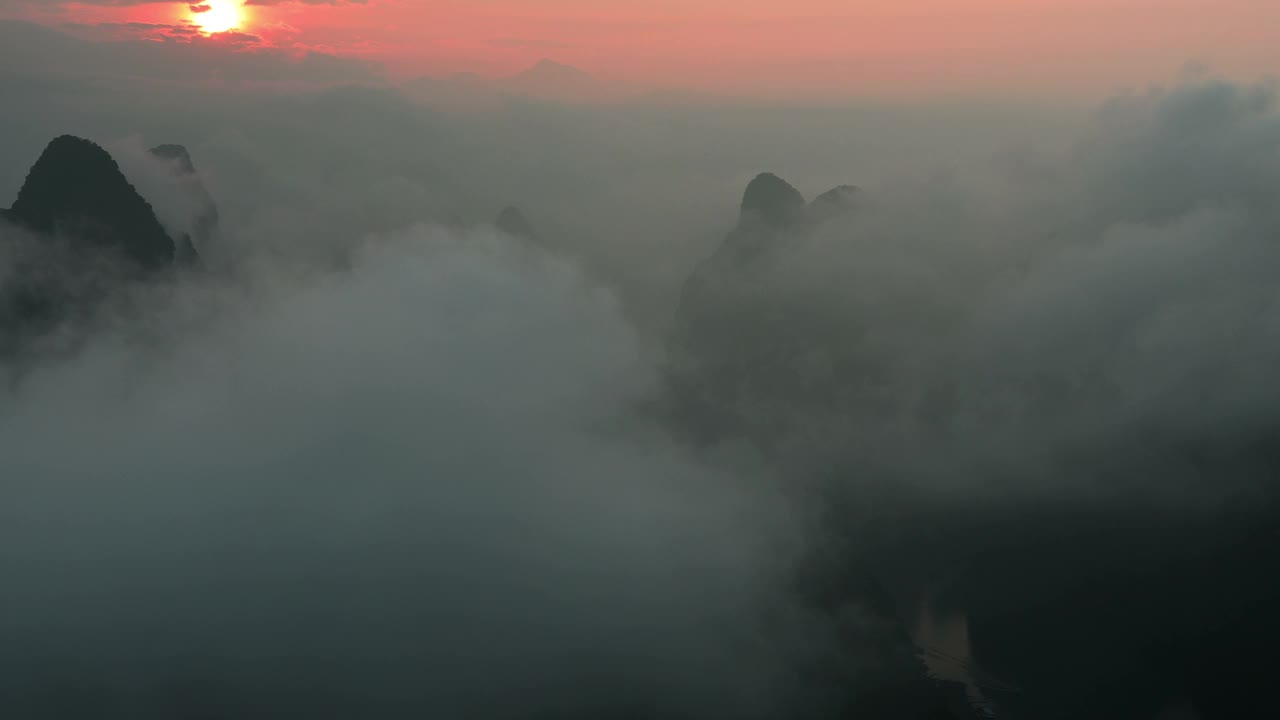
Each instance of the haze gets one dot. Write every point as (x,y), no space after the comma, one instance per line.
(559,360)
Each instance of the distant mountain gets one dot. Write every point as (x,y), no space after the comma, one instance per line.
(551,80)
(747,349)
(179,155)
(513,222)
(739,344)
(771,211)
(76,192)
(771,200)
(547,80)
(548,77)
(834,203)
(199,228)
(770,208)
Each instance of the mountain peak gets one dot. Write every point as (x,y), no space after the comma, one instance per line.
(550,68)
(772,200)
(76,186)
(513,222)
(177,153)
(552,75)
(194,227)
(834,202)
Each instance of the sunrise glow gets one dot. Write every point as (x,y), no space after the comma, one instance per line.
(215,16)
(762,48)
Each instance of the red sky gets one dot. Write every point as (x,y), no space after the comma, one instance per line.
(873,46)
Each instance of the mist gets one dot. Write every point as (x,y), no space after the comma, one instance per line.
(380,459)
(1039,396)
(408,488)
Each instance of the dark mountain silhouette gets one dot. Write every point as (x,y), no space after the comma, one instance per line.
(752,356)
(513,222)
(772,214)
(746,350)
(1103,606)
(178,154)
(204,221)
(771,200)
(770,209)
(769,205)
(76,191)
(79,232)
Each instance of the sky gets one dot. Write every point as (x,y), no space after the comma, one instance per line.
(812,47)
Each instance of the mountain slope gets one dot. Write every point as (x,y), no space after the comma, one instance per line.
(200,222)
(77,234)
(76,191)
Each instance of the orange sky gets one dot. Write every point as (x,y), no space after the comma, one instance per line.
(800,46)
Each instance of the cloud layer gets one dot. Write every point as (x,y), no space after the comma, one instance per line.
(1044,394)
(407,488)
(380,461)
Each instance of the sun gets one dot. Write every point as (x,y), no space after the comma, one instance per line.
(215,16)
